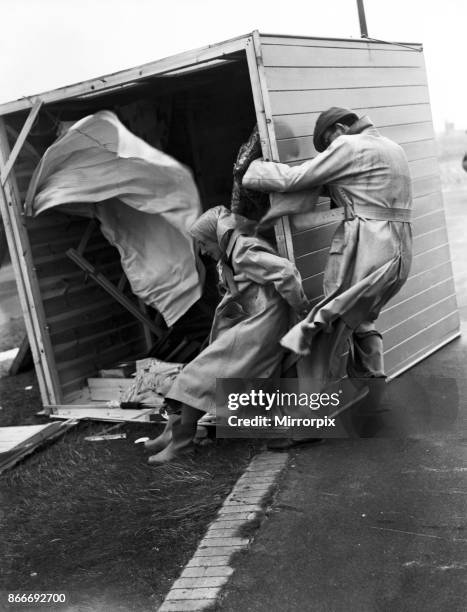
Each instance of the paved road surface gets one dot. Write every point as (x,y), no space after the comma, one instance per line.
(376,525)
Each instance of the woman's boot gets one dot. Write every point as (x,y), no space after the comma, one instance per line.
(183,433)
(164,438)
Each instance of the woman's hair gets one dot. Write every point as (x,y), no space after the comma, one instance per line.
(217,224)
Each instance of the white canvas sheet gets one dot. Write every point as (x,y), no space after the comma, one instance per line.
(145,201)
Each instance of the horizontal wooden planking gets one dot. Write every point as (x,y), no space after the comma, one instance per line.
(434,235)
(427,259)
(94,310)
(57,221)
(107,389)
(61,305)
(419,321)
(323,215)
(58,247)
(306,236)
(313,285)
(369,98)
(313,239)
(430,240)
(60,234)
(73,387)
(303,56)
(312,263)
(342,43)
(427,197)
(419,149)
(428,215)
(70,287)
(94,346)
(53,253)
(409,133)
(301,148)
(106,256)
(286,79)
(423,167)
(414,305)
(287,126)
(102,322)
(58,283)
(421,262)
(422,343)
(428,222)
(416,338)
(435,264)
(416,150)
(418,283)
(89,365)
(427,203)
(426,185)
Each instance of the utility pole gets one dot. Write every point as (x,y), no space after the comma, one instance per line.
(362,19)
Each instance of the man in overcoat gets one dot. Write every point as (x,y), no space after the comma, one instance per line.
(367,175)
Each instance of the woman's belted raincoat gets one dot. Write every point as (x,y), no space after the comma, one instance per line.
(260,288)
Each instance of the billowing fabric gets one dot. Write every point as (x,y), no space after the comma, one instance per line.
(249,321)
(145,201)
(369,260)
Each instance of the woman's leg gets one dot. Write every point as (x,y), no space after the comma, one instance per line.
(164,438)
(183,433)
(174,410)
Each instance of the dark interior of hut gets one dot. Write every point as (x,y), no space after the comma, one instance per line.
(200,116)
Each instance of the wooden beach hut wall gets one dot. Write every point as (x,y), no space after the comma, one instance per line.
(209,100)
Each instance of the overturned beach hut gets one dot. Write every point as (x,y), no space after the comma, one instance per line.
(198,107)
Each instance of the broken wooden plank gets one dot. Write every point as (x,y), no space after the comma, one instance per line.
(3,243)
(120,370)
(107,389)
(86,236)
(26,439)
(13,436)
(23,360)
(20,141)
(101,280)
(27,146)
(104,413)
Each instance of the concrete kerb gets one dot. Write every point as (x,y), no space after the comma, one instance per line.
(206,574)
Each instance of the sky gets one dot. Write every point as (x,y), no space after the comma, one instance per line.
(46,44)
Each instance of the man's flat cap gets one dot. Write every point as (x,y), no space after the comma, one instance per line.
(326,120)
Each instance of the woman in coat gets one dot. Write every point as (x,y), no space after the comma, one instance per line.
(260,288)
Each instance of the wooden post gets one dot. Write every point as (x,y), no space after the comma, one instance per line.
(362,19)
(26,279)
(266,131)
(8,165)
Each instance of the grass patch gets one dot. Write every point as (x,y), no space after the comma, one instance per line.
(12,333)
(93,519)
